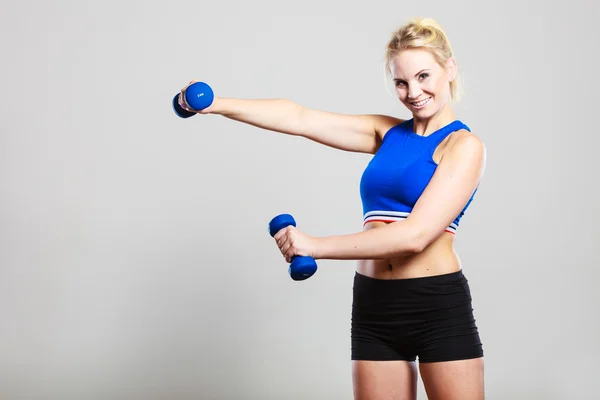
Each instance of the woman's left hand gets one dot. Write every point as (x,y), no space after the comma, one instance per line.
(292,242)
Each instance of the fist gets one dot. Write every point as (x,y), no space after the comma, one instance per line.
(292,242)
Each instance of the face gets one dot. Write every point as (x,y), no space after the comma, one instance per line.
(422,85)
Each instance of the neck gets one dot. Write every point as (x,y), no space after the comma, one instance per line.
(426,126)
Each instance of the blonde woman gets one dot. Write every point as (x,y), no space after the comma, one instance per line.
(411,299)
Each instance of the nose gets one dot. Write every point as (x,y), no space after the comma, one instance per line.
(414,91)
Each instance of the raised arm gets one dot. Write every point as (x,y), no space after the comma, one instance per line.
(355,133)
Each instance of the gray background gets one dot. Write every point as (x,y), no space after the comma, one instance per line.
(135,259)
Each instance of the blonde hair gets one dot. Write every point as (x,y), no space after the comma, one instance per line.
(424,33)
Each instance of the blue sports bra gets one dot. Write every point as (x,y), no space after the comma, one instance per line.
(400,170)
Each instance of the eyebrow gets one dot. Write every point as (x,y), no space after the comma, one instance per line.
(417,74)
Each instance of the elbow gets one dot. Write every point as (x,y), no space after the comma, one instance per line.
(419,243)
(417,247)
(408,248)
(415,240)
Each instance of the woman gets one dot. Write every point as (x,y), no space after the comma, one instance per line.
(411,298)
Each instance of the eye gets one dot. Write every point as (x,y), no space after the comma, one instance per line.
(424,75)
(400,83)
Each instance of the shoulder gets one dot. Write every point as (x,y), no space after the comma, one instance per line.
(465,145)
(383,124)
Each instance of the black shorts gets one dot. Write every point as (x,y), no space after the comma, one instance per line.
(402,319)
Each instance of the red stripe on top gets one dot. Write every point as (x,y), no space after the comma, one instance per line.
(394,220)
(379,220)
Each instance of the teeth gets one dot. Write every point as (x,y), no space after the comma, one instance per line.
(423,102)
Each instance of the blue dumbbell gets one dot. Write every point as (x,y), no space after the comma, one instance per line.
(301,267)
(197,96)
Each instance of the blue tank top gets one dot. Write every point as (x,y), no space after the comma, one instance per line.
(400,170)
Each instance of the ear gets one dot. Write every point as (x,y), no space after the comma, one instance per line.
(451,69)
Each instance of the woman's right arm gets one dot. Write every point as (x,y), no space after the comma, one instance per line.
(355,133)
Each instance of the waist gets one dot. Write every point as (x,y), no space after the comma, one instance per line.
(436,259)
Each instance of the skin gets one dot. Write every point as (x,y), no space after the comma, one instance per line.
(415,247)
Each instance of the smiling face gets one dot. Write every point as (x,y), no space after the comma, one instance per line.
(421,83)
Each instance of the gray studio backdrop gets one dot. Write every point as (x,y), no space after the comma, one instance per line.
(135,261)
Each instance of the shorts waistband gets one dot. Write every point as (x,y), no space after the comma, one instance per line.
(449,277)
(432,287)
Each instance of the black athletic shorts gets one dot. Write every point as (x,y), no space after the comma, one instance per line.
(401,319)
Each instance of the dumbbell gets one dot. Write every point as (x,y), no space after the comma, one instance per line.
(197,96)
(301,267)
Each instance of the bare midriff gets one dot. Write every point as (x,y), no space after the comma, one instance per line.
(436,259)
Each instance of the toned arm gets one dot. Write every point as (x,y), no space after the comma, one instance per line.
(356,133)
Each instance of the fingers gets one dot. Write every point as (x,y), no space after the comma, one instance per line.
(284,240)
(282,232)
(181,100)
(286,250)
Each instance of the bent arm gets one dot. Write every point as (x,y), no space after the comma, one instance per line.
(355,133)
(456,178)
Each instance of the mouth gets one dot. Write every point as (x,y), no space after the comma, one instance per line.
(420,104)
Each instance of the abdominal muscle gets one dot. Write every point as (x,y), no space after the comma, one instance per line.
(436,259)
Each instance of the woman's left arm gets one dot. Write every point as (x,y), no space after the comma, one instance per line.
(454,181)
